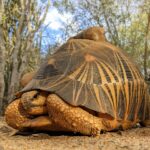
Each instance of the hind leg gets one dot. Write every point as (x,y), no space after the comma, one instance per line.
(18,118)
(77,119)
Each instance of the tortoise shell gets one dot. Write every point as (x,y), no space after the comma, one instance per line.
(95,75)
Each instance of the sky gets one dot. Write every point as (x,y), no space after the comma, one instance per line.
(52,27)
(55,20)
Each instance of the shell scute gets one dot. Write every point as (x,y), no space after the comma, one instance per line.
(95,75)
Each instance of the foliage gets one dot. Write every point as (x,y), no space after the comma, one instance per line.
(125,23)
(19,24)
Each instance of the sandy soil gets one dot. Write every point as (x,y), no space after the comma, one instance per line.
(135,139)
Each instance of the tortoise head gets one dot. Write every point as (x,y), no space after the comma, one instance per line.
(92,33)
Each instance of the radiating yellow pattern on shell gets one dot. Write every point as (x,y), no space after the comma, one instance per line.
(96,75)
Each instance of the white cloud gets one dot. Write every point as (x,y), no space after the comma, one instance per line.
(55,20)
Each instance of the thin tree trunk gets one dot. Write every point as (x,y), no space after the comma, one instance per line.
(146,46)
(14,82)
(113,36)
(2,60)
(2,65)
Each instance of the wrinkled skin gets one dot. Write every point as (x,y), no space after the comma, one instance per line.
(41,110)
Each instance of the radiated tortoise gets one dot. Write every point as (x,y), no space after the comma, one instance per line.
(86,86)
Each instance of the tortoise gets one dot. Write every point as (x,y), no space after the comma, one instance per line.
(86,86)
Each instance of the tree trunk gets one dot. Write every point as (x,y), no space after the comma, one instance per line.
(2,61)
(2,64)
(14,82)
(146,46)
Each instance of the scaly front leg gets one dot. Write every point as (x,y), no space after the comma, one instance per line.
(19,119)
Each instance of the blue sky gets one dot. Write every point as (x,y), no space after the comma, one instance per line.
(52,27)
(55,20)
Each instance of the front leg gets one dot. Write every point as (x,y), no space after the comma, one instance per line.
(18,118)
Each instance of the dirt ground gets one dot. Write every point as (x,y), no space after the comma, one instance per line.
(135,139)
